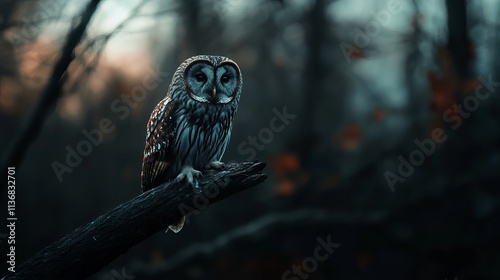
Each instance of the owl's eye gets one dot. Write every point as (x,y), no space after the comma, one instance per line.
(224,79)
(200,77)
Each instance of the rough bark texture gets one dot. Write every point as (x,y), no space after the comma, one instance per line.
(88,248)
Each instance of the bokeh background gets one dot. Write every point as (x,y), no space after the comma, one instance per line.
(364,79)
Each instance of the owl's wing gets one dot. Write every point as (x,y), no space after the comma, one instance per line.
(158,152)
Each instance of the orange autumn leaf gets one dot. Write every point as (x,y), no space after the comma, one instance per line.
(448,85)
(471,85)
(357,54)
(285,164)
(285,188)
(442,92)
(443,87)
(378,115)
(350,137)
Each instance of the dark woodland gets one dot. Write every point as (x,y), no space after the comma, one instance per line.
(378,123)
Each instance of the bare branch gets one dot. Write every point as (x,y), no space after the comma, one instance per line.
(50,94)
(100,41)
(88,248)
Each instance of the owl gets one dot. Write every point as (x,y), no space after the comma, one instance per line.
(189,129)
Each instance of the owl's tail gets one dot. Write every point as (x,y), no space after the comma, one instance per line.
(178,226)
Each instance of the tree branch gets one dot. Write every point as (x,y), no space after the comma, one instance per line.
(50,94)
(88,248)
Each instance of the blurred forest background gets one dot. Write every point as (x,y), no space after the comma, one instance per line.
(365,80)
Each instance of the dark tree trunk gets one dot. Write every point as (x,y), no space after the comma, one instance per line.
(314,74)
(458,40)
(52,91)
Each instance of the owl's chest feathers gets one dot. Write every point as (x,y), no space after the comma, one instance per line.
(208,115)
(200,138)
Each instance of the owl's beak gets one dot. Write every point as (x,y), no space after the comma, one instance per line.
(214,93)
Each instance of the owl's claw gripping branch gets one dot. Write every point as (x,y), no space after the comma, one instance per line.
(189,173)
(87,249)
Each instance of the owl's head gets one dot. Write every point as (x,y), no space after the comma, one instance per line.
(210,79)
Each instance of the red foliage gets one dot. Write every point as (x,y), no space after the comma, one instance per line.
(378,115)
(357,54)
(349,137)
(287,168)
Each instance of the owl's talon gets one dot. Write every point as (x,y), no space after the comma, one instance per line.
(189,173)
(178,226)
(215,165)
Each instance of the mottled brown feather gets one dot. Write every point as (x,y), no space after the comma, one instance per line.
(158,152)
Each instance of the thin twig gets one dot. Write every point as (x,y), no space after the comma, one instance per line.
(50,94)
